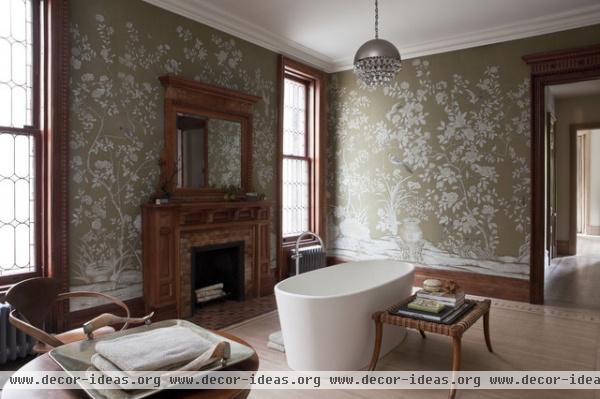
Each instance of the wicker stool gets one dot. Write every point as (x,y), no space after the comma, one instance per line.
(455,330)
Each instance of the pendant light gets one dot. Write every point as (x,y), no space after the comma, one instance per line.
(377,61)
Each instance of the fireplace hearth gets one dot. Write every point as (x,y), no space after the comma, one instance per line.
(218,268)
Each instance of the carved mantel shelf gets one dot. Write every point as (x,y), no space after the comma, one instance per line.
(170,231)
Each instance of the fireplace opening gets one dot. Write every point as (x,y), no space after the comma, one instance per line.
(217,273)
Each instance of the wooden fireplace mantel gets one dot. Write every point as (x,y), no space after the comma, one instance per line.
(169,231)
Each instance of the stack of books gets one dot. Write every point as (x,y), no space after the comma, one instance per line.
(438,306)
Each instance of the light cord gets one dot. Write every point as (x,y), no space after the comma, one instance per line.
(376,20)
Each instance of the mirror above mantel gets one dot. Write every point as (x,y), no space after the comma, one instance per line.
(208,141)
(209,152)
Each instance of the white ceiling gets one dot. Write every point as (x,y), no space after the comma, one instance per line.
(326,33)
(578,89)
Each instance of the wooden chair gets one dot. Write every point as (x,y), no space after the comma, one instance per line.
(32,301)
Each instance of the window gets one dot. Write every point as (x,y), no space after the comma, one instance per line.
(19,136)
(297,159)
(302,174)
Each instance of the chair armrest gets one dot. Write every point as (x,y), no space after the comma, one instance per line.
(33,331)
(91,294)
(107,319)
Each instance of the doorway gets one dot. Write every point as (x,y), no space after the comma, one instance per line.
(572,202)
(548,69)
(586,172)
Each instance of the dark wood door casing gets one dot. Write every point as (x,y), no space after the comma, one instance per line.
(557,67)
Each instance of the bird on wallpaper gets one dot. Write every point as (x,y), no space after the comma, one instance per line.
(400,162)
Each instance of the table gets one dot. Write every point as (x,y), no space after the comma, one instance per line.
(45,363)
(455,330)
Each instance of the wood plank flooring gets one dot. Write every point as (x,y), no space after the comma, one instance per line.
(573,281)
(525,337)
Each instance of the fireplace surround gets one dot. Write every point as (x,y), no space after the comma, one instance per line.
(170,234)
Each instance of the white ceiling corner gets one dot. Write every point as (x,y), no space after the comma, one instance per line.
(329,31)
(206,13)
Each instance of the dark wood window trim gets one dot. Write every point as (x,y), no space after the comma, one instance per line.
(56,138)
(309,152)
(316,151)
(34,131)
(565,66)
(53,165)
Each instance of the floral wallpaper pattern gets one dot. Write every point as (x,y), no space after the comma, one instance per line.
(224,153)
(433,169)
(419,170)
(118,53)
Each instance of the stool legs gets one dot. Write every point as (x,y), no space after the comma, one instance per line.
(377,347)
(456,344)
(486,331)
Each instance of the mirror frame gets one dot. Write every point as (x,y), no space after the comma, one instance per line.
(195,98)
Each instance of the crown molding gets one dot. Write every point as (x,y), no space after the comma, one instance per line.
(207,13)
(576,18)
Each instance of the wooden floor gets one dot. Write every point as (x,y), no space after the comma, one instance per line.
(574,281)
(221,314)
(525,337)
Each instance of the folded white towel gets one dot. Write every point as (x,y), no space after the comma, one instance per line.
(158,349)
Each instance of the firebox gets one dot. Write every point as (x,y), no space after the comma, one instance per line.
(219,269)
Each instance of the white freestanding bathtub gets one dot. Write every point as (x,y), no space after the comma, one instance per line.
(325,314)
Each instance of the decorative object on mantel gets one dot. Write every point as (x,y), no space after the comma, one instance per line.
(165,183)
(254,197)
(231,193)
(377,61)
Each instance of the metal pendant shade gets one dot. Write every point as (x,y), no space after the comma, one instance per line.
(377,61)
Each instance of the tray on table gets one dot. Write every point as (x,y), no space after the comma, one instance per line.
(76,357)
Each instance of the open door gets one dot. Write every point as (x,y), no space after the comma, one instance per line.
(551,215)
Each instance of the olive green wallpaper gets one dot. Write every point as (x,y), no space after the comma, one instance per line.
(119,49)
(224,153)
(435,168)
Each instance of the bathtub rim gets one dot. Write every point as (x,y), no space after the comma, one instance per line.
(277,289)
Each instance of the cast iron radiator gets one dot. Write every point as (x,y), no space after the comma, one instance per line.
(311,258)
(13,343)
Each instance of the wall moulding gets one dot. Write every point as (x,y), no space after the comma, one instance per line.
(513,289)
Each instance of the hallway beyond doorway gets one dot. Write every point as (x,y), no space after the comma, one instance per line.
(572,281)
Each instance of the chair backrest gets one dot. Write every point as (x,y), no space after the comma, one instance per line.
(33,299)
